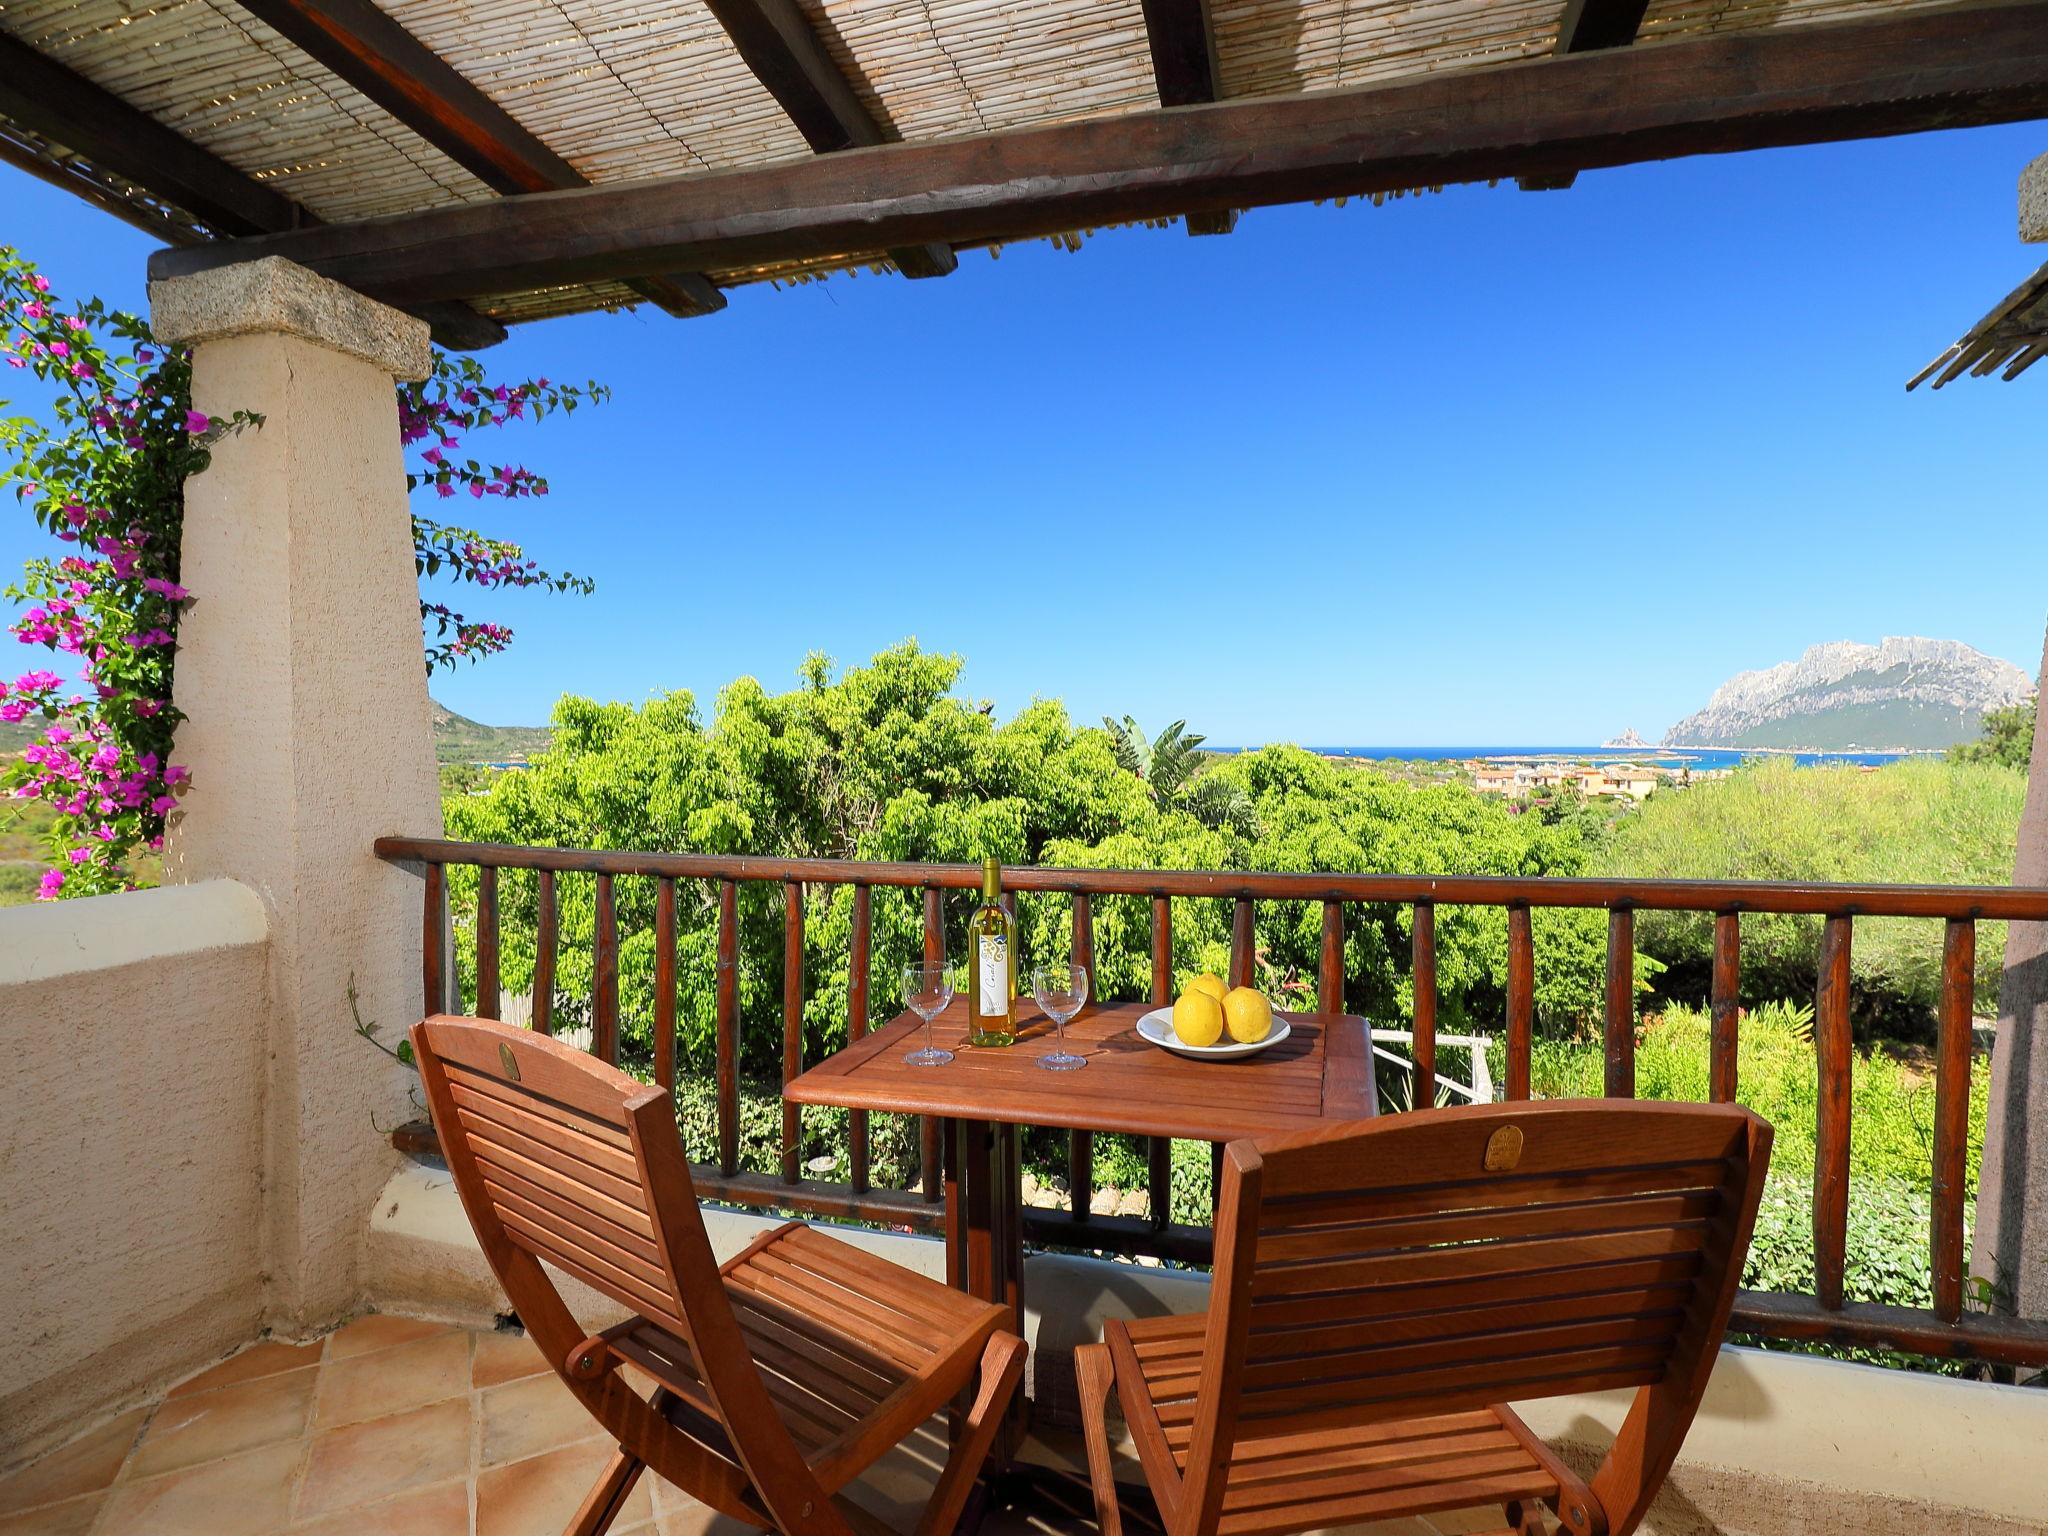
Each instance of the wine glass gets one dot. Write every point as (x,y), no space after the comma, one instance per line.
(927,989)
(1060,990)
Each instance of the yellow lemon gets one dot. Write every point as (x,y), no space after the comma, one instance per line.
(1198,1018)
(1247,1015)
(1213,985)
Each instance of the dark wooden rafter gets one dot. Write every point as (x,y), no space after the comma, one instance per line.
(371,52)
(1588,25)
(64,108)
(1184,71)
(1916,70)
(778,43)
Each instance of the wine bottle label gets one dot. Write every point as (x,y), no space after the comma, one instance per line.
(993,964)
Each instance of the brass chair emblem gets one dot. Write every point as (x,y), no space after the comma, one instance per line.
(1504,1149)
(511,1066)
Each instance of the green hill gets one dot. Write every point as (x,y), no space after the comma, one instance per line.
(458,739)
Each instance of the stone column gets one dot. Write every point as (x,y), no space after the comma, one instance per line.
(2012,1198)
(299,667)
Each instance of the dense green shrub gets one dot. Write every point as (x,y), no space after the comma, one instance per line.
(1891,1109)
(1914,822)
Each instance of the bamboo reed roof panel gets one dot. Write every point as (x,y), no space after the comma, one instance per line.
(620,90)
(2008,341)
(213,73)
(948,68)
(629,90)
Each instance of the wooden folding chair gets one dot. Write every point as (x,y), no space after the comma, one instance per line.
(1384,1290)
(782,1375)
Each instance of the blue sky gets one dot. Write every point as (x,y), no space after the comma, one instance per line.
(1479,467)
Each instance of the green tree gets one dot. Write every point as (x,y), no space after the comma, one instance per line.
(884,761)
(2005,738)
(1166,763)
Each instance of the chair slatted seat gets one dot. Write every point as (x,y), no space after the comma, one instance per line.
(1383,1291)
(780,1376)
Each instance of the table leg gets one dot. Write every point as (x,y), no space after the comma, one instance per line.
(985,1238)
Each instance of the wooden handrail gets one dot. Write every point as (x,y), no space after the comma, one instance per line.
(1944,1330)
(1815,898)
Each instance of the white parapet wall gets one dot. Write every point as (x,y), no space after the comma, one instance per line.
(1784,1445)
(130,1124)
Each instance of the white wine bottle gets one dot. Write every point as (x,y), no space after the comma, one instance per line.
(992,942)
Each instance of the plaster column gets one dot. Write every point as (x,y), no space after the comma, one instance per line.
(299,667)
(2012,1197)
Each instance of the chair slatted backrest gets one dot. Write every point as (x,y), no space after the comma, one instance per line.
(563,1160)
(1466,1257)
(552,1146)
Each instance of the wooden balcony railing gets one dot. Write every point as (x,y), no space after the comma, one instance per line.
(1945,1330)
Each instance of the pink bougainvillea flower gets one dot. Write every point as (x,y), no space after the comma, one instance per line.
(163,805)
(40,283)
(60,349)
(78,855)
(197,421)
(53,882)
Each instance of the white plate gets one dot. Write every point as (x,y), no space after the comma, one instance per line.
(1157,1026)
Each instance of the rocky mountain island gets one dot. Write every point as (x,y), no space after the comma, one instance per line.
(1904,694)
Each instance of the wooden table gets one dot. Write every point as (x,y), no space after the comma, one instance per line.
(1323,1071)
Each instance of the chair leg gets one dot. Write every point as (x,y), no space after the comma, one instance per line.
(607,1495)
(1096,1373)
(1002,1367)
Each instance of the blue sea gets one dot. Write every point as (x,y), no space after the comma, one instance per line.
(1660,757)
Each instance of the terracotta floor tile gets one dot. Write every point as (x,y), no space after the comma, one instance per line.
(442,1510)
(245,1495)
(503,1357)
(392,1380)
(524,1418)
(265,1359)
(537,1496)
(86,1465)
(369,1462)
(377,1331)
(223,1422)
(74,1517)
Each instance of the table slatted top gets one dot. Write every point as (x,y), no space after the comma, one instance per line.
(1322,1072)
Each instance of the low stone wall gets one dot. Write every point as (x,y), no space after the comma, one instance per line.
(130,1126)
(1784,1445)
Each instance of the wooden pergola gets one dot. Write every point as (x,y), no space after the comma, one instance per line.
(486,162)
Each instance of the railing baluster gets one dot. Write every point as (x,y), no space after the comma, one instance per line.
(1159,1179)
(665,983)
(1952,1113)
(433,988)
(1620,1031)
(1330,960)
(489,996)
(1521,999)
(930,1162)
(1831,1154)
(792,1022)
(728,1028)
(1242,941)
(1726,1010)
(1081,1144)
(1159,1149)
(604,990)
(858,960)
(544,941)
(1162,951)
(1423,1053)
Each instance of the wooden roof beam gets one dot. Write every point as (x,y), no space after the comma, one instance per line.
(1906,72)
(65,108)
(361,45)
(778,44)
(1588,25)
(1185,72)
